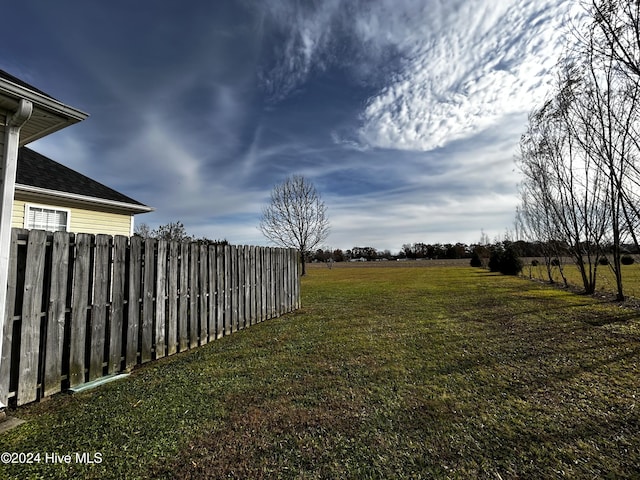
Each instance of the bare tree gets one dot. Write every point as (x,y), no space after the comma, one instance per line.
(607,114)
(581,154)
(172,231)
(142,230)
(296,217)
(560,178)
(617,24)
(533,222)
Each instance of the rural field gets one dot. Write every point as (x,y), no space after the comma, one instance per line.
(387,371)
(606,282)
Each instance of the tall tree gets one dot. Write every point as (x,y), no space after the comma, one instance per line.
(296,217)
(581,153)
(608,51)
(560,178)
(617,25)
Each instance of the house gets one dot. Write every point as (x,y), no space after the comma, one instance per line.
(50,196)
(41,196)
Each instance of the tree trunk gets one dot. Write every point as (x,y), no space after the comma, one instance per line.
(304,264)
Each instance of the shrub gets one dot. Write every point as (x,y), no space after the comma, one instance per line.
(555,262)
(510,263)
(535,263)
(603,261)
(476,261)
(495,260)
(505,261)
(627,260)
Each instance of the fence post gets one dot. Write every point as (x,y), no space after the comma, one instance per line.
(229,285)
(117,304)
(79,304)
(220,290)
(296,277)
(101,269)
(147,300)
(251,274)
(133,305)
(8,324)
(241,286)
(193,297)
(213,299)
(263,284)
(161,299)
(203,283)
(56,312)
(31,307)
(172,321)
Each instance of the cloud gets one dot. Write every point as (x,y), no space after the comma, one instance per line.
(304,33)
(386,224)
(405,114)
(478,62)
(443,70)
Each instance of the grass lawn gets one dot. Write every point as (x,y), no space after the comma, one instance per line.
(386,372)
(605,282)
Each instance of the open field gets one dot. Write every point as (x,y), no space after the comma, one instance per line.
(606,281)
(384,373)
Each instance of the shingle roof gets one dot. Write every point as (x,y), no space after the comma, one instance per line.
(36,170)
(22,83)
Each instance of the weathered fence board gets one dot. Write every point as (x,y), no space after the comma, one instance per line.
(211,315)
(56,313)
(31,308)
(80,301)
(193,296)
(172,319)
(133,303)
(203,275)
(83,306)
(99,306)
(148,285)
(183,327)
(220,289)
(161,299)
(6,372)
(116,323)
(229,286)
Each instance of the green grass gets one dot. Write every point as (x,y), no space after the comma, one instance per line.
(384,373)
(605,279)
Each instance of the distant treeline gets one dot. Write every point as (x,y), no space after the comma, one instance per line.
(439,251)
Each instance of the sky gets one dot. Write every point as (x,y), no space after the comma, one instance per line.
(404,114)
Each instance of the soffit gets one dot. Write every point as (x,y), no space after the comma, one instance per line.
(49,115)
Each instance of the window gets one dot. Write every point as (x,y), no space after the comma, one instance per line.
(46,218)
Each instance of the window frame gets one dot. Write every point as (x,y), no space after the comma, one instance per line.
(29,206)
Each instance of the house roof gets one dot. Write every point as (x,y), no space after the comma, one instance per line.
(49,115)
(39,174)
(22,83)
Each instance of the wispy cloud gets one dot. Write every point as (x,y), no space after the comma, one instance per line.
(480,61)
(406,114)
(446,70)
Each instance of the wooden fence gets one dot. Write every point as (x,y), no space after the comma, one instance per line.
(84,306)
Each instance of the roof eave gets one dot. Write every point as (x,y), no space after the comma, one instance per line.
(45,101)
(131,207)
(53,115)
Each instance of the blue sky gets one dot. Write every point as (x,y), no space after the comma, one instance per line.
(405,114)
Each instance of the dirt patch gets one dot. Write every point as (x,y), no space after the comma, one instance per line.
(259,437)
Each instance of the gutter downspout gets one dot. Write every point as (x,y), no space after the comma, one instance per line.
(8,167)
